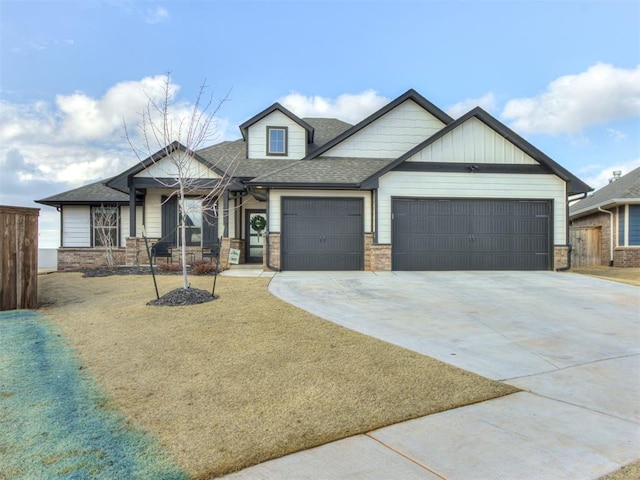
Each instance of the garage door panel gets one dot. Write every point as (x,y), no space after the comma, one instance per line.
(322,234)
(463,234)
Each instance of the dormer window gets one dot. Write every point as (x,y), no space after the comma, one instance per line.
(276,140)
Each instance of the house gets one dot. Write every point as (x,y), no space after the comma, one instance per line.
(408,188)
(605,226)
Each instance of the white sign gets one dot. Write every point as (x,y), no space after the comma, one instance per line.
(234,256)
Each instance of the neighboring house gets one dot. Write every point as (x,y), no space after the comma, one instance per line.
(408,188)
(605,226)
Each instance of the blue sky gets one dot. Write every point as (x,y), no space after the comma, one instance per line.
(563,74)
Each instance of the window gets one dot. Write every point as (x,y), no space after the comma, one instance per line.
(276,140)
(105,222)
(192,222)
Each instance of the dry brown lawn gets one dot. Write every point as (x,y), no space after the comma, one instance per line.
(630,472)
(618,274)
(245,378)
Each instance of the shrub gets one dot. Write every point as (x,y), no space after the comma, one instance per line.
(202,267)
(169,267)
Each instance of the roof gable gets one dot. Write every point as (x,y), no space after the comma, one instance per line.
(626,189)
(121,182)
(408,95)
(244,128)
(575,185)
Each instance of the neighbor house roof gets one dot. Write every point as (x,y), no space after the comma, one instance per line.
(624,190)
(575,185)
(95,193)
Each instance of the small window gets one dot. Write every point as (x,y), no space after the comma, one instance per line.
(276,140)
(106,223)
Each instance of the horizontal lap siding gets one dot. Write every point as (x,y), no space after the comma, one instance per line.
(471,185)
(76,226)
(296,137)
(390,136)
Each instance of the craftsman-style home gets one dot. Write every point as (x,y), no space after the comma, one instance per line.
(408,188)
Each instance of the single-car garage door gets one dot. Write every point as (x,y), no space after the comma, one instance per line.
(457,234)
(322,233)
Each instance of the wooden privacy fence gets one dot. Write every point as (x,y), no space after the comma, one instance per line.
(586,246)
(19,262)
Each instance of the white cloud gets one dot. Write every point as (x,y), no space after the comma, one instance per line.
(347,107)
(571,103)
(599,176)
(616,135)
(487,102)
(156,15)
(49,148)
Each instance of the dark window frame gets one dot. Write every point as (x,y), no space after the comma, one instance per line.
(285,146)
(191,229)
(94,236)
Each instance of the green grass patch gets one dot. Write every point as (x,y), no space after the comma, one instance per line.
(56,422)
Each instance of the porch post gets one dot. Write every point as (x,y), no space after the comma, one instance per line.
(225,212)
(132,208)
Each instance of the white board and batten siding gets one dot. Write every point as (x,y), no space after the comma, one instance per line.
(472,186)
(76,226)
(275,204)
(473,142)
(166,168)
(296,137)
(391,135)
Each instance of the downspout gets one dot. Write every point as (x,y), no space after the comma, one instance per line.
(268,252)
(568,265)
(600,209)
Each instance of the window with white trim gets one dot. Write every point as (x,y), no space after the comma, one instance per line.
(277,140)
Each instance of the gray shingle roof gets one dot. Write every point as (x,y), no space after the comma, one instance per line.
(324,171)
(94,193)
(624,190)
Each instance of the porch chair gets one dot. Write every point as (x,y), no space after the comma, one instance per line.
(162,250)
(211,251)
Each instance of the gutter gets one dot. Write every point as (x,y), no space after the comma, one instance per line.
(600,209)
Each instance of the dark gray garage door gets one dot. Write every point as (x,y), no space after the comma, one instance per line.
(459,234)
(322,234)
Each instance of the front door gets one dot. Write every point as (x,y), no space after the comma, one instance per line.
(254,241)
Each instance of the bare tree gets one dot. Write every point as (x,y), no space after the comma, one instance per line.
(105,224)
(163,124)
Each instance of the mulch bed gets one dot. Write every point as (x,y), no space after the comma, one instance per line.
(175,298)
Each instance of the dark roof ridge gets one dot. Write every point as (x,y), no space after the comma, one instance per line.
(574,182)
(276,106)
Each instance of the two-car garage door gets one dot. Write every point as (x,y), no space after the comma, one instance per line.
(480,234)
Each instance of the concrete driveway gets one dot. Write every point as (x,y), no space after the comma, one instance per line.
(570,342)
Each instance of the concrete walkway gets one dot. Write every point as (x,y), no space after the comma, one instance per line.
(571,343)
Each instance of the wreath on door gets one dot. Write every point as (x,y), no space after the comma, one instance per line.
(258,223)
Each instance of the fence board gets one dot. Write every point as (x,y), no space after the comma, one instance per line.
(586,246)
(19,257)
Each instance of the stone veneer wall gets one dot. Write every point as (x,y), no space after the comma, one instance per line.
(274,252)
(70,258)
(626,257)
(560,256)
(377,257)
